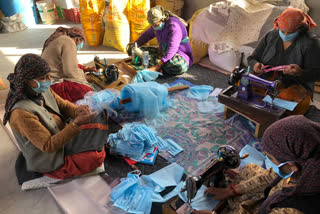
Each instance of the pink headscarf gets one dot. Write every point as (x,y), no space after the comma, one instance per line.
(74,32)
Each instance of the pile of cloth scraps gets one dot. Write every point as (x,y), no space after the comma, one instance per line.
(135,140)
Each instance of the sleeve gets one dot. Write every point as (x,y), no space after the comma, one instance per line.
(29,126)
(285,211)
(69,60)
(174,39)
(256,56)
(66,107)
(146,36)
(258,183)
(311,69)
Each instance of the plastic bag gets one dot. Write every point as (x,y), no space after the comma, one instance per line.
(46,11)
(117,33)
(12,24)
(91,12)
(138,10)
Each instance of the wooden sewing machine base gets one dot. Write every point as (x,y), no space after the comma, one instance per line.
(254,110)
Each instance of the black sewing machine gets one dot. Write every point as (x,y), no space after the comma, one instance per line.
(249,82)
(228,158)
(109,72)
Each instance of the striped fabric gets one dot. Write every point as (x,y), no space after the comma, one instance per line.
(175,66)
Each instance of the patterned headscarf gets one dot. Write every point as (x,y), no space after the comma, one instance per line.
(157,13)
(295,139)
(74,32)
(29,66)
(292,19)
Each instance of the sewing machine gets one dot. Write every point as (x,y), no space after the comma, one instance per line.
(109,72)
(228,158)
(249,82)
(139,58)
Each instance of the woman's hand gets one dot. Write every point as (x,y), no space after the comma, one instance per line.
(293,70)
(156,67)
(219,193)
(89,69)
(82,110)
(84,118)
(257,68)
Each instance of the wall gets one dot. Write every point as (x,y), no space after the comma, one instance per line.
(191,6)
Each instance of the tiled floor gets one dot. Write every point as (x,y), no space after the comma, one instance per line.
(12,47)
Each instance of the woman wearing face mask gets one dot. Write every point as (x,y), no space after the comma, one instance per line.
(291,44)
(291,185)
(173,40)
(60,51)
(38,118)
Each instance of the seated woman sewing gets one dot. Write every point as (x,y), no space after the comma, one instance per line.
(290,44)
(173,40)
(60,51)
(38,118)
(292,185)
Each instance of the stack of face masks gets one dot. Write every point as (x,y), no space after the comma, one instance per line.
(145,76)
(148,98)
(200,92)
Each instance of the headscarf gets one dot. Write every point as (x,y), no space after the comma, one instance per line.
(28,67)
(74,32)
(295,139)
(292,19)
(157,13)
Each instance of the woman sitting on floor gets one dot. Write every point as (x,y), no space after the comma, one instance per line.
(38,118)
(173,40)
(290,43)
(60,51)
(292,185)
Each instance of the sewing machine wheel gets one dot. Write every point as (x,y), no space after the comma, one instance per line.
(111,73)
(230,156)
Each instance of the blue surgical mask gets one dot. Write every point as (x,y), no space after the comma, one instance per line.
(160,26)
(42,86)
(289,37)
(80,46)
(276,168)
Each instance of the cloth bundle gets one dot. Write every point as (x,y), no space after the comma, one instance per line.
(105,99)
(148,98)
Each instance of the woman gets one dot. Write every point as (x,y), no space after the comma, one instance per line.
(291,44)
(60,51)
(38,116)
(173,40)
(292,185)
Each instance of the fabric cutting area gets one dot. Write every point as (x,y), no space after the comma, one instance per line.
(161,107)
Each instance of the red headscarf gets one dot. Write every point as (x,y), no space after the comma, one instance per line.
(292,19)
(74,32)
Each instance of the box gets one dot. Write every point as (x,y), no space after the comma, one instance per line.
(72,15)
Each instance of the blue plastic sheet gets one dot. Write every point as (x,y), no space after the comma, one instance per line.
(145,76)
(148,98)
(105,99)
(200,92)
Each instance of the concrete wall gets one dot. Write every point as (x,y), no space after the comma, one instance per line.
(191,6)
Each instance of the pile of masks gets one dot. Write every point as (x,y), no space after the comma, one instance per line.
(148,98)
(135,140)
(145,76)
(105,99)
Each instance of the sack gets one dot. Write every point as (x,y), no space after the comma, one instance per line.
(91,12)
(46,11)
(224,56)
(199,48)
(13,23)
(117,33)
(138,10)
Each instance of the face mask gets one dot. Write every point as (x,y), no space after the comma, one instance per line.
(289,37)
(80,46)
(160,26)
(42,86)
(276,168)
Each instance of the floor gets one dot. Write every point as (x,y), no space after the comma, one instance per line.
(12,46)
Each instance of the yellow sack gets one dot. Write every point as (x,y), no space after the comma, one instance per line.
(138,10)
(2,85)
(117,33)
(199,48)
(91,12)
